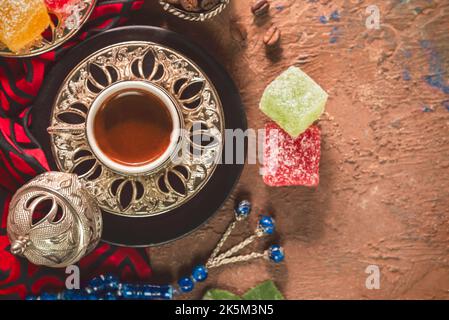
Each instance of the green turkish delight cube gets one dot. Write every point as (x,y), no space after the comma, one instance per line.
(294,101)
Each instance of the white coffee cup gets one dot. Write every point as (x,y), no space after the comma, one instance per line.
(133,85)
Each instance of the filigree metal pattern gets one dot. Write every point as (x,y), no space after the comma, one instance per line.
(194,16)
(198,104)
(53,221)
(63,28)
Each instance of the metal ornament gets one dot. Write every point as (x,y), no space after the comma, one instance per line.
(201,115)
(194,16)
(65,27)
(53,221)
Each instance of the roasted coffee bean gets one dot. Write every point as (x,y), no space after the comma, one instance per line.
(272,37)
(190,5)
(260,7)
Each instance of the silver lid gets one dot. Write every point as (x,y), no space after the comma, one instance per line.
(53,221)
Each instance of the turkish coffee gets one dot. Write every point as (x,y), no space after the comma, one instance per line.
(133,127)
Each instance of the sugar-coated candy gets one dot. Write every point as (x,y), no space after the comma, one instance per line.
(294,101)
(291,161)
(22,22)
(58,5)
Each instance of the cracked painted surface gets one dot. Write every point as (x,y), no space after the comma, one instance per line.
(383,197)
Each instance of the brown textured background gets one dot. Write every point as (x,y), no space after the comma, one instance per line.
(383,198)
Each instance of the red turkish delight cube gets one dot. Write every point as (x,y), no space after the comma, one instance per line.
(291,161)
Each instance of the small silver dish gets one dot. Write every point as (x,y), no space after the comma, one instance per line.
(65,28)
(194,16)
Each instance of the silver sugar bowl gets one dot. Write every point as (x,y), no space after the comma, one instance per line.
(53,221)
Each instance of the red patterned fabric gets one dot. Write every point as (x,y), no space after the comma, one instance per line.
(21,159)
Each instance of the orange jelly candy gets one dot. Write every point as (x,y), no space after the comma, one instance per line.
(22,22)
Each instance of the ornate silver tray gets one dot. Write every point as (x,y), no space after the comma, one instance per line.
(62,29)
(172,184)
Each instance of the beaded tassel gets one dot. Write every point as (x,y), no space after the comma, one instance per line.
(266,226)
(109,288)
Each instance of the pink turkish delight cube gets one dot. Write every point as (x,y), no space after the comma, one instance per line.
(291,161)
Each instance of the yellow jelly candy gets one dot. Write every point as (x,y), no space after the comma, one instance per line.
(22,22)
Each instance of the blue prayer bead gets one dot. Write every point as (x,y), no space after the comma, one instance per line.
(152,292)
(266,224)
(107,287)
(111,285)
(111,282)
(91,289)
(138,294)
(199,273)
(167,292)
(243,209)
(276,253)
(127,291)
(102,283)
(186,284)
(110,296)
(149,292)
(110,278)
(48,296)
(69,295)
(75,295)
(97,281)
